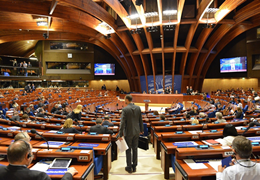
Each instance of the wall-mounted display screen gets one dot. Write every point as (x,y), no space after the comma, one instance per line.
(104,69)
(234,64)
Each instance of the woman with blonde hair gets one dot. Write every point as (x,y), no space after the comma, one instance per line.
(76,113)
(68,128)
(194,121)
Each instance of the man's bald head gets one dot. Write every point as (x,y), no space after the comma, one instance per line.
(18,151)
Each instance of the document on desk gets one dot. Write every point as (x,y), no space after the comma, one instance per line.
(40,167)
(53,143)
(195,132)
(122,146)
(194,165)
(215,164)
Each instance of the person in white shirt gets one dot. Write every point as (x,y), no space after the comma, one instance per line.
(242,168)
(229,134)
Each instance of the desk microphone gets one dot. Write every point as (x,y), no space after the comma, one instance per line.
(251,124)
(78,125)
(35,132)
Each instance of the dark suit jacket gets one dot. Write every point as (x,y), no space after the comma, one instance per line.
(40,115)
(40,104)
(15,118)
(131,121)
(11,172)
(107,123)
(76,116)
(70,130)
(100,129)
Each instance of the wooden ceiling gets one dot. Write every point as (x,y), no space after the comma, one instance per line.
(188,50)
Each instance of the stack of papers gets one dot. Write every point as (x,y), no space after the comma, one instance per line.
(40,167)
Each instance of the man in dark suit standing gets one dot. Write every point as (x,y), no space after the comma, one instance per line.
(19,155)
(131,127)
(99,129)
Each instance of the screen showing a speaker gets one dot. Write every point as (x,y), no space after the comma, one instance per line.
(104,69)
(234,64)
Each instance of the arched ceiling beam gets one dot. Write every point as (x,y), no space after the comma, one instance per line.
(140,11)
(160,11)
(201,11)
(180,7)
(144,59)
(246,12)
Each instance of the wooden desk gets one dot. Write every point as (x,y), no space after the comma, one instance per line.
(157,98)
(167,148)
(103,149)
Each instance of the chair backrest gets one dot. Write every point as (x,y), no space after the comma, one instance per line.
(145,129)
(245,108)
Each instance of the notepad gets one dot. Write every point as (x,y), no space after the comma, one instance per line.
(194,165)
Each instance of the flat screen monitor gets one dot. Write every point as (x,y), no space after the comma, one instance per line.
(104,69)
(234,64)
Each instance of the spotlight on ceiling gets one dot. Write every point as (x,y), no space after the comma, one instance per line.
(136,31)
(168,27)
(108,36)
(152,29)
(139,2)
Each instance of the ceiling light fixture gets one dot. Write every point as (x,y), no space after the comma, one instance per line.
(170,12)
(151,14)
(42,23)
(211,10)
(105,28)
(133,16)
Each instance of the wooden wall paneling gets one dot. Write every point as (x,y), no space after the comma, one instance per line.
(180,7)
(110,84)
(225,84)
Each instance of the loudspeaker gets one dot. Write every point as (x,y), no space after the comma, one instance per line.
(138,2)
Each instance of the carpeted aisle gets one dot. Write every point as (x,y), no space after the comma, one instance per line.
(149,168)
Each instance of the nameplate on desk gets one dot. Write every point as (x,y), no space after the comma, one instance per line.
(70,138)
(88,145)
(171,122)
(146,100)
(10,134)
(257,132)
(24,125)
(42,127)
(104,139)
(195,137)
(228,153)
(83,157)
(9,122)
